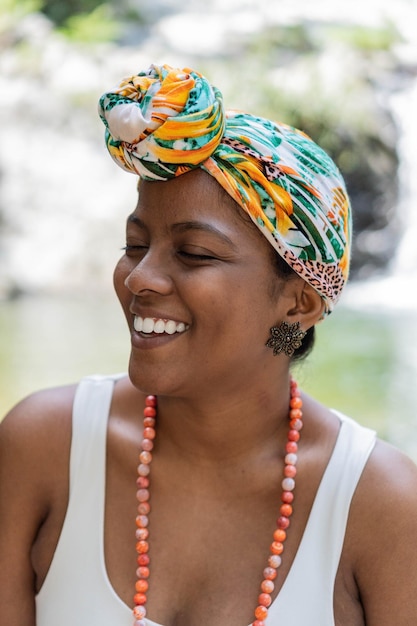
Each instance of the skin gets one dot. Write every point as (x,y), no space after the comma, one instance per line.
(222,426)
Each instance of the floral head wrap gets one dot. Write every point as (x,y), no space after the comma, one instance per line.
(165,121)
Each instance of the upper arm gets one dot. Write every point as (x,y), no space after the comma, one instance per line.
(32,437)
(384,524)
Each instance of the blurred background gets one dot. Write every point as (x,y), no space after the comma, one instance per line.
(344,72)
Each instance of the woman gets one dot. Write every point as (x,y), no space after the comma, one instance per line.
(254,504)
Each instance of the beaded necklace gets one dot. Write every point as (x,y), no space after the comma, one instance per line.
(283,521)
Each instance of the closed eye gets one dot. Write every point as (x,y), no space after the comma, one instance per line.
(197,257)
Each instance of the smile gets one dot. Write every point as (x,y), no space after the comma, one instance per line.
(149,325)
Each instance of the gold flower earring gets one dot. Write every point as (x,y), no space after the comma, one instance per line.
(286,338)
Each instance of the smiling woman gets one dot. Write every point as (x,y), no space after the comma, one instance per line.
(253,503)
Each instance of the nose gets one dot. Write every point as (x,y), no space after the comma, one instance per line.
(150,274)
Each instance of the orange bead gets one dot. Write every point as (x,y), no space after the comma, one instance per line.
(149,422)
(296,414)
(270,573)
(293,435)
(286,510)
(290,447)
(267,586)
(142,521)
(143,559)
(280,535)
(149,433)
(283,522)
(142,546)
(290,470)
(296,402)
(149,411)
(277,547)
(142,572)
(258,622)
(139,598)
(141,586)
(264,599)
(287,496)
(261,612)
(142,534)
(144,508)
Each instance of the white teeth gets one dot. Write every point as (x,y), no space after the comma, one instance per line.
(159,326)
(149,325)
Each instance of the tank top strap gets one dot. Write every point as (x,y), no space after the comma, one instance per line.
(317,560)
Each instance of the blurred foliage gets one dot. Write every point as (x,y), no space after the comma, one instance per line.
(96,26)
(60,11)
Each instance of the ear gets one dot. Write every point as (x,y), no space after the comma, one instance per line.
(307,305)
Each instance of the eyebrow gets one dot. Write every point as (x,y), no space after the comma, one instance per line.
(203,227)
(182,227)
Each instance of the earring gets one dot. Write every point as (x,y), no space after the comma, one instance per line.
(286,338)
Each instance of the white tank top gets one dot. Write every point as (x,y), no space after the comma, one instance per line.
(77,590)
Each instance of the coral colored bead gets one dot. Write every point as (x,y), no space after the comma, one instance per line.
(274,561)
(286,510)
(141,586)
(283,522)
(142,495)
(264,599)
(149,422)
(143,470)
(267,586)
(296,414)
(142,521)
(149,433)
(287,496)
(290,471)
(149,411)
(139,598)
(142,546)
(145,457)
(293,435)
(291,447)
(142,572)
(296,424)
(142,482)
(280,535)
(296,402)
(277,547)
(258,622)
(142,534)
(139,612)
(147,444)
(144,508)
(288,484)
(143,559)
(261,612)
(270,573)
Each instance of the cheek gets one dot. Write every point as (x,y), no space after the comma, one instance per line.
(119,276)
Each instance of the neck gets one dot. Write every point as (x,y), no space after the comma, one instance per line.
(225,427)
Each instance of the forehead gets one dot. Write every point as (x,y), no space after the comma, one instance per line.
(193,196)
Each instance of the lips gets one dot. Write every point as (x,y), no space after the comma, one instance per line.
(151,325)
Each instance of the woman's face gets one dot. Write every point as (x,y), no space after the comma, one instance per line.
(198,290)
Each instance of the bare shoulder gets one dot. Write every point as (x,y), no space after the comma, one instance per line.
(35,440)
(382,530)
(35,436)
(38,419)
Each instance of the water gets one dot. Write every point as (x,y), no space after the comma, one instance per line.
(364,362)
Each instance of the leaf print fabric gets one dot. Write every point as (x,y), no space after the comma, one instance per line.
(165,121)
